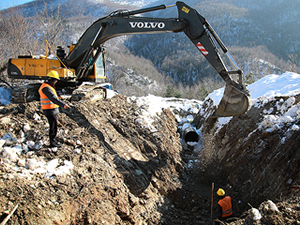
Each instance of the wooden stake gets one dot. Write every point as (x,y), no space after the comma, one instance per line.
(9,215)
(212,202)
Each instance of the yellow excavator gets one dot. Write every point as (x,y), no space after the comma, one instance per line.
(86,59)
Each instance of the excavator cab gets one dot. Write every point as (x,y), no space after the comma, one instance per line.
(98,71)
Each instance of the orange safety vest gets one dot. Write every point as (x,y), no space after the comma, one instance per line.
(226,206)
(45,101)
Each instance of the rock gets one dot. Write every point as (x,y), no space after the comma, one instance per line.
(10,176)
(255,214)
(22,137)
(91,92)
(30,144)
(272,206)
(26,127)
(268,207)
(2,142)
(31,164)
(21,162)
(77,150)
(10,139)
(36,117)
(5,120)
(10,153)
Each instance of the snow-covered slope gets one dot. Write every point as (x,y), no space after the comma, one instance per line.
(256,152)
(265,89)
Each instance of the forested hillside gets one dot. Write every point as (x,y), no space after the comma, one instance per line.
(256,36)
(261,37)
(279,24)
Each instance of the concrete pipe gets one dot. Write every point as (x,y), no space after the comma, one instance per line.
(188,133)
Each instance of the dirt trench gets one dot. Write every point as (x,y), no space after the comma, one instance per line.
(255,160)
(124,172)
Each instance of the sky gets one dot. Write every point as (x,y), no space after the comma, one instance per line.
(4,4)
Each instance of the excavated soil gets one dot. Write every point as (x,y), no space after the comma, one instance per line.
(126,173)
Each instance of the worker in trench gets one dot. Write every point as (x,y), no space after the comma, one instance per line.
(50,105)
(224,207)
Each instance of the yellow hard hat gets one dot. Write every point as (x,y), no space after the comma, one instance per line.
(53,74)
(221,192)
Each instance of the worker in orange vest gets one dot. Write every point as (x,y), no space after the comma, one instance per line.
(225,206)
(50,105)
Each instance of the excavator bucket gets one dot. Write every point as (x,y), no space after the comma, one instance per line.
(233,103)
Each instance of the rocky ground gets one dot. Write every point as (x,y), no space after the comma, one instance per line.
(112,169)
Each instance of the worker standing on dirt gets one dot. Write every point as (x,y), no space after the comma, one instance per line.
(50,105)
(224,206)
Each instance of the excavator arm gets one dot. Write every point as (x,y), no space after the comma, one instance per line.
(117,24)
(120,23)
(235,99)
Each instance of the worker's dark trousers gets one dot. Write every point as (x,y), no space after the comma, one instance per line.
(52,120)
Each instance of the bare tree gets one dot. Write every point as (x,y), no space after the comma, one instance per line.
(294,59)
(14,34)
(51,24)
(17,37)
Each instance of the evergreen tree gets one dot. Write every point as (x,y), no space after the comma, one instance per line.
(170,91)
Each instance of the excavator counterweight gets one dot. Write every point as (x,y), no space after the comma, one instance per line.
(86,61)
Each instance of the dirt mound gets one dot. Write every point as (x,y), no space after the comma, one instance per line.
(119,170)
(255,156)
(112,169)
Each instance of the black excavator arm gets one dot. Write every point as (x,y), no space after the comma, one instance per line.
(235,100)
(120,23)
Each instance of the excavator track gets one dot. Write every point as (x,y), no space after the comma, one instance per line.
(26,93)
